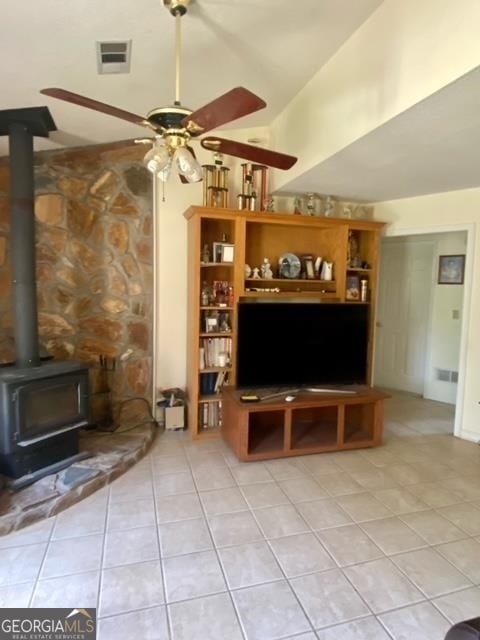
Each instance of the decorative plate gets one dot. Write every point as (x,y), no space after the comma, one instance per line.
(289,266)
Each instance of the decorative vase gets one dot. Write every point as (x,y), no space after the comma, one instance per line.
(327,271)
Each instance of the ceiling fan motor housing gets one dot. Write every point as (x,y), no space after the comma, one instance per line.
(168,117)
(177,7)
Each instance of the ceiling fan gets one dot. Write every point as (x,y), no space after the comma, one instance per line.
(174,126)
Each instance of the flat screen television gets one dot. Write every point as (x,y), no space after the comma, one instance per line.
(301,344)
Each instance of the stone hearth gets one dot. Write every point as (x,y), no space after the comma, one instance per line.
(111,455)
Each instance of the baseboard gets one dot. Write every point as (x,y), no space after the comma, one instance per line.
(472,436)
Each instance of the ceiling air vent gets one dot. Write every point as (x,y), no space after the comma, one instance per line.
(113,56)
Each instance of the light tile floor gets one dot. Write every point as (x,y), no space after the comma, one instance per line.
(191,545)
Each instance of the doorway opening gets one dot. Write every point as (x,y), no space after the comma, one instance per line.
(420,326)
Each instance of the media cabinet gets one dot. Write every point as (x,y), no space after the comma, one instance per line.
(310,423)
(221,243)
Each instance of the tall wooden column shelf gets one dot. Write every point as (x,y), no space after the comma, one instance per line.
(255,236)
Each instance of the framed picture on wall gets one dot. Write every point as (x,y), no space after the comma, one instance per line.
(451,269)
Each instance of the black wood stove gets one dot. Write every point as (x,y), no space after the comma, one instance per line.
(42,403)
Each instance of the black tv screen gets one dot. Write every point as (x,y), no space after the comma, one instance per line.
(301,343)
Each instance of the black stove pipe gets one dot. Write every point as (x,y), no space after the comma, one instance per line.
(22,245)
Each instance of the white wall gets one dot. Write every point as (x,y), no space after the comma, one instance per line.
(445,328)
(403,53)
(453,211)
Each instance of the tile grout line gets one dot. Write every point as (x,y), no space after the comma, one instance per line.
(160,556)
(210,533)
(37,579)
(102,555)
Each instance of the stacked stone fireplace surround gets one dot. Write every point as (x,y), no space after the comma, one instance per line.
(94,253)
(94,246)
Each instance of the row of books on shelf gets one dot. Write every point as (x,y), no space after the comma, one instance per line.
(211,415)
(215,352)
(213,382)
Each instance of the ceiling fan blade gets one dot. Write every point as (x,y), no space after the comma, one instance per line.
(249,152)
(231,105)
(83,101)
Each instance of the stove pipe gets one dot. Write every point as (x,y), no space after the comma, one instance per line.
(22,246)
(21,125)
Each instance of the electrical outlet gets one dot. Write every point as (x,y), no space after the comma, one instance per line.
(455,314)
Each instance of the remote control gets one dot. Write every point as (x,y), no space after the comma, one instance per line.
(250,397)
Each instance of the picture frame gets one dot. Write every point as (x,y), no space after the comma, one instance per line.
(228,252)
(353,288)
(308,267)
(451,269)
(223,252)
(211,323)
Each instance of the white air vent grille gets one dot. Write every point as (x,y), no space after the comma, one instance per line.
(445,375)
(114,56)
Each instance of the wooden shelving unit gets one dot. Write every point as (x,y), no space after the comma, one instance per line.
(255,236)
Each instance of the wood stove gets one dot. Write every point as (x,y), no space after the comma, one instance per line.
(42,403)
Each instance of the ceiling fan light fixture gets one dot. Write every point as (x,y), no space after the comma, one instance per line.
(187,165)
(157,159)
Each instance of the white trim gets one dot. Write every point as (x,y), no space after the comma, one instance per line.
(472,436)
(156,279)
(470,228)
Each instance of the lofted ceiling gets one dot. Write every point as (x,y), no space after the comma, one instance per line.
(272,47)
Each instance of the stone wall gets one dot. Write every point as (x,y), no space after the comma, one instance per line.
(94,237)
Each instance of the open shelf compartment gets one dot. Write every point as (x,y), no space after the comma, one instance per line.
(359,423)
(314,427)
(265,432)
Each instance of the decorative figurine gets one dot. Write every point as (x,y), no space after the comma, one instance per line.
(256,273)
(311,205)
(248,271)
(270,204)
(327,271)
(329,207)
(297,206)
(266,270)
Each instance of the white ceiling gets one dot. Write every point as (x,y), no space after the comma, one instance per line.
(272,47)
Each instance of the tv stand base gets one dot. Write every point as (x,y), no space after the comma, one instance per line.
(311,422)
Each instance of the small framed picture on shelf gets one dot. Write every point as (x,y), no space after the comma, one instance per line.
(451,269)
(353,288)
(211,323)
(308,267)
(223,252)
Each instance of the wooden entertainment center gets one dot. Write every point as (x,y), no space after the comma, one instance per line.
(224,246)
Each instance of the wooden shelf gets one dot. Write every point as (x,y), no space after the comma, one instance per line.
(292,280)
(291,294)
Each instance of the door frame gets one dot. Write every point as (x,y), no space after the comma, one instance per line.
(469,228)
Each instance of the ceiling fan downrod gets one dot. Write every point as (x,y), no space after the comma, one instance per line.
(177,8)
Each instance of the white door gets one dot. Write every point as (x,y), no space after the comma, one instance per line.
(403,314)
